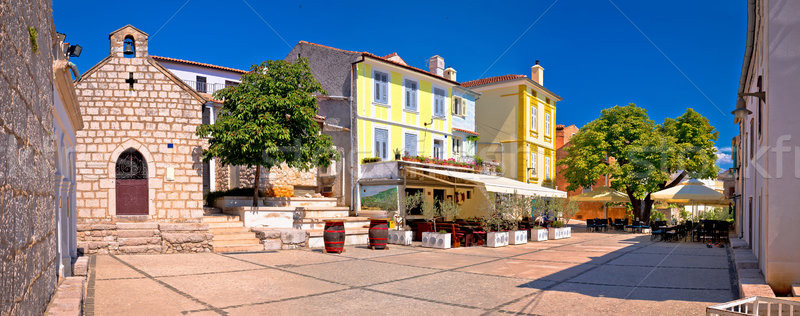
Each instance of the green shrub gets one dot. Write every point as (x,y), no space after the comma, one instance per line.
(370,160)
(558,224)
(657,216)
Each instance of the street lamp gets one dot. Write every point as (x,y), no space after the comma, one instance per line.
(741,111)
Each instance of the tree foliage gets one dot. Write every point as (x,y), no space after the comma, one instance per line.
(269,119)
(640,155)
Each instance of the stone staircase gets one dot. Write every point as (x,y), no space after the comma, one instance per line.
(230,235)
(138,237)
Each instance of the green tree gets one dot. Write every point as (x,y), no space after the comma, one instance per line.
(645,154)
(269,119)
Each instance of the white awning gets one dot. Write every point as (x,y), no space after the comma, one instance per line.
(499,184)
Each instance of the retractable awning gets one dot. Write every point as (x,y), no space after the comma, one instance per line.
(498,184)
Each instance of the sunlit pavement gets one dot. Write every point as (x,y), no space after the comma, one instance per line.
(590,273)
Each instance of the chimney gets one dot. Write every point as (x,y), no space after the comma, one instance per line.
(450,73)
(537,73)
(436,65)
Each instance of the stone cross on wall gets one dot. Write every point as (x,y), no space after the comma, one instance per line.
(131,81)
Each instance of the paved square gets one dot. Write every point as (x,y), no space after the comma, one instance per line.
(590,273)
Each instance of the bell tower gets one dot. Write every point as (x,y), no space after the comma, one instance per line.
(128,42)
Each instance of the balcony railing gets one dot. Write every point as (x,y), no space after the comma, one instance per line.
(204,87)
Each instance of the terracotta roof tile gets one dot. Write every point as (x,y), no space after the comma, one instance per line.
(466,131)
(488,80)
(385,59)
(189,62)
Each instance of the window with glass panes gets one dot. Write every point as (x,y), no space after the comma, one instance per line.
(438,101)
(411,95)
(382,143)
(381,94)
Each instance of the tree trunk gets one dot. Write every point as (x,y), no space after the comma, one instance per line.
(255,186)
(648,207)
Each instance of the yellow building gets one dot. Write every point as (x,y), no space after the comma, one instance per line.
(402,108)
(516,117)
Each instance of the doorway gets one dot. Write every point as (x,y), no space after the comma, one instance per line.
(131,183)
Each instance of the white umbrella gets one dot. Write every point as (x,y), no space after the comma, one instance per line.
(693,191)
(601,194)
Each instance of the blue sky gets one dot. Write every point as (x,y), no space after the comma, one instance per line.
(664,56)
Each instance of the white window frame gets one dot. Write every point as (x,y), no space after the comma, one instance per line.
(534,118)
(459,108)
(388,87)
(416,146)
(443,113)
(433,148)
(547,125)
(547,168)
(388,141)
(457,153)
(533,156)
(415,109)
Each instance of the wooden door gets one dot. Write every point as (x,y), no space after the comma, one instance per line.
(131,184)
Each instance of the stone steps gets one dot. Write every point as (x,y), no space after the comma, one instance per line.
(233,236)
(214,225)
(328,212)
(221,218)
(230,235)
(239,248)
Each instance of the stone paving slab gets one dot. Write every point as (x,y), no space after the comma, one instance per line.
(690,278)
(360,272)
(353,302)
(114,269)
(139,297)
(185,263)
(436,260)
(639,259)
(248,287)
(287,258)
(466,289)
(614,275)
(590,273)
(592,257)
(529,269)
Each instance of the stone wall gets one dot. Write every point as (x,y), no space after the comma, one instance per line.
(28,263)
(281,239)
(158,112)
(143,237)
(275,177)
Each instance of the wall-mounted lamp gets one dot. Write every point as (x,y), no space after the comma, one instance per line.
(741,111)
(761,95)
(74,50)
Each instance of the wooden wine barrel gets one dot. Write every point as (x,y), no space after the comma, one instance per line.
(333,236)
(378,233)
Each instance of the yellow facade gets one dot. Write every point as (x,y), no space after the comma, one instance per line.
(504,115)
(394,118)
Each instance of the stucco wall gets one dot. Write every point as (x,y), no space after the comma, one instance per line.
(28,263)
(780,214)
(190,72)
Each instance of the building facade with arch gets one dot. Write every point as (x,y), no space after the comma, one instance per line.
(138,159)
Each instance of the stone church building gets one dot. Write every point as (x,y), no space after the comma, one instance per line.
(139,163)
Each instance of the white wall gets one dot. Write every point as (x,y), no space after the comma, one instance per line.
(190,72)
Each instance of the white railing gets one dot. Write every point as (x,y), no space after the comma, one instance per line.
(756,305)
(204,87)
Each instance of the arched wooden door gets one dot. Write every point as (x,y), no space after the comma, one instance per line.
(132,188)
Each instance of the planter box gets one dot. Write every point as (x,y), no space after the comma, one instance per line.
(559,233)
(264,216)
(518,237)
(436,240)
(400,237)
(496,239)
(538,234)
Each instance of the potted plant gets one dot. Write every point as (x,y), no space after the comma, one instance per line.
(559,230)
(517,207)
(400,235)
(493,222)
(433,239)
(398,154)
(538,233)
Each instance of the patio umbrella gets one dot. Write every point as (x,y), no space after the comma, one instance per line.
(601,194)
(693,191)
